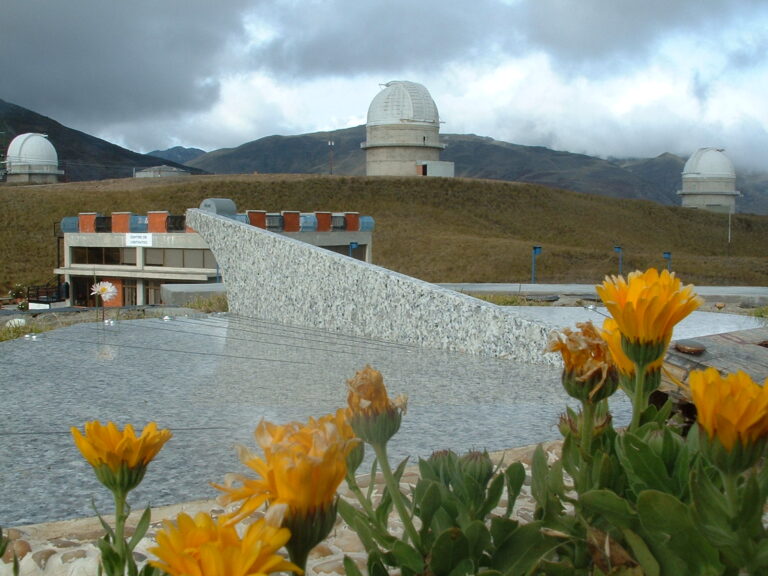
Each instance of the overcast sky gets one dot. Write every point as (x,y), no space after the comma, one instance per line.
(603,77)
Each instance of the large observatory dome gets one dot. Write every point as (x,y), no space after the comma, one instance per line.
(32,149)
(709,162)
(402,102)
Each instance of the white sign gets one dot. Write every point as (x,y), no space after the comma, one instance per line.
(142,240)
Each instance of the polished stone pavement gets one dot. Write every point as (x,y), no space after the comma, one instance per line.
(211,379)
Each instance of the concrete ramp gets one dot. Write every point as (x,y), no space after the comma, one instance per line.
(271,277)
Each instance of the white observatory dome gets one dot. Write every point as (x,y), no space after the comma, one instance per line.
(708,163)
(32,149)
(403,102)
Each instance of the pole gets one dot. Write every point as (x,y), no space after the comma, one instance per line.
(534,251)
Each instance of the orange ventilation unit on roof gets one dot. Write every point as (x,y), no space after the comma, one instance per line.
(157,221)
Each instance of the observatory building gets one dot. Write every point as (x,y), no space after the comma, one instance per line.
(32,159)
(402,133)
(709,182)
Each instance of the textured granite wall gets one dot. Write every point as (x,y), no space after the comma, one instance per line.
(279,279)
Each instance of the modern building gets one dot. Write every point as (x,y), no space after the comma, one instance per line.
(32,159)
(139,253)
(709,182)
(403,133)
(160,172)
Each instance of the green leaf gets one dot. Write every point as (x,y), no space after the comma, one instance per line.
(376,566)
(464,567)
(350,568)
(612,507)
(539,473)
(645,469)
(427,501)
(515,478)
(710,510)
(450,548)
(673,536)
(641,553)
(408,557)
(495,490)
(523,550)
(501,529)
(479,539)
(760,558)
(141,529)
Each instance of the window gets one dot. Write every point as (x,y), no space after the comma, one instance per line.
(193,258)
(129,292)
(103,255)
(174,258)
(153,257)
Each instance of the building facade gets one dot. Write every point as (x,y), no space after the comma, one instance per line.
(139,253)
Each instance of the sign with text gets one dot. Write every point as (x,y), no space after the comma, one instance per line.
(139,240)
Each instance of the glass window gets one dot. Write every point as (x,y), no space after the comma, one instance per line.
(79,255)
(129,292)
(174,257)
(209,261)
(193,258)
(153,257)
(111,255)
(129,255)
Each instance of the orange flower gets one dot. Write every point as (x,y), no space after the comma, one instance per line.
(119,457)
(372,414)
(302,467)
(646,308)
(589,374)
(733,409)
(206,547)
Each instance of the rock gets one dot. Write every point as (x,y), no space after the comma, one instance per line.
(19,547)
(41,557)
(68,557)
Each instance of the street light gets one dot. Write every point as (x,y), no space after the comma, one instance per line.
(331,144)
(535,251)
(668,257)
(352,247)
(620,252)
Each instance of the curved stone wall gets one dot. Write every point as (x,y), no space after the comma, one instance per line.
(279,279)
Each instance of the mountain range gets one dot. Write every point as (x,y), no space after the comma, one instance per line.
(84,157)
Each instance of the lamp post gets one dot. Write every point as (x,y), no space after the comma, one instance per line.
(668,257)
(535,251)
(620,251)
(352,247)
(331,144)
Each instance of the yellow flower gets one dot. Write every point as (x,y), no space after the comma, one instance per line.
(612,336)
(589,374)
(733,409)
(119,457)
(646,307)
(372,414)
(206,547)
(302,467)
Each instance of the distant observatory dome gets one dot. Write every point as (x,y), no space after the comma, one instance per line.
(32,159)
(708,162)
(30,149)
(402,101)
(709,181)
(403,133)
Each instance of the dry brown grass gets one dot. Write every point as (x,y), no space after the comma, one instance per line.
(440,230)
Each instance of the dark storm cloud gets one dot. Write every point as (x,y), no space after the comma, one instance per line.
(591,34)
(91,61)
(353,37)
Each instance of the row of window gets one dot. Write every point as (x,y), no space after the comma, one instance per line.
(168,257)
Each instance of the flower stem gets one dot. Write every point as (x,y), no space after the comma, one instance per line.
(394,491)
(730,483)
(638,397)
(120,518)
(352,484)
(587,429)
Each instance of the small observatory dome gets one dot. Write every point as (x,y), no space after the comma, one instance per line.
(402,101)
(32,159)
(709,181)
(403,133)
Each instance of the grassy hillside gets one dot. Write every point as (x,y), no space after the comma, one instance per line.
(439,230)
